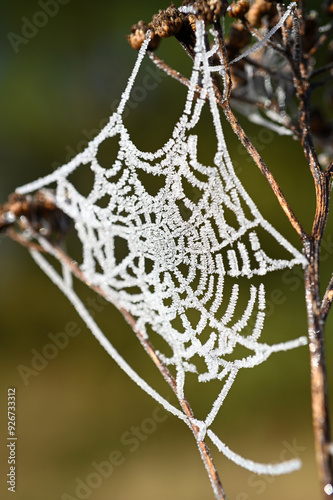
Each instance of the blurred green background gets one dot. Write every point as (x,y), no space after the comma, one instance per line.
(56,90)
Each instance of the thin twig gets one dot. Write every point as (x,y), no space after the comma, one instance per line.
(321,40)
(236,127)
(22,240)
(220,98)
(162,65)
(316,311)
(311,245)
(73,266)
(319,399)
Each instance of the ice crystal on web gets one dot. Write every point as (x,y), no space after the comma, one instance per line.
(178,250)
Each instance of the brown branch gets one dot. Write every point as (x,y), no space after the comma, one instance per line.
(321,40)
(70,264)
(162,65)
(263,169)
(311,245)
(236,127)
(222,100)
(321,182)
(281,10)
(22,240)
(203,448)
(319,399)
(328,295)
(317,310)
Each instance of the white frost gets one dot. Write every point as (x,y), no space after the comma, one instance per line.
(179,247)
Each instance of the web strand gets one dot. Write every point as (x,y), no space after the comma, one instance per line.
(172,259)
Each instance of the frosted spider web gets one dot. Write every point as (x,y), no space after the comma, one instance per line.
(180,253)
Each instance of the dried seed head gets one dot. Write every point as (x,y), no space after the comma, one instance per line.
(208,10)
(138,35)
(39,212)
(239,9)
(167,22)
(191,21)
(260,9)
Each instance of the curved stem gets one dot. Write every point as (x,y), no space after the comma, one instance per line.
(319,397)
(67,261)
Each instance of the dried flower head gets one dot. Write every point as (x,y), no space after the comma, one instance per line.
(208,10)
(138,35)
(191,21)
(39,212)
(239,9)
(260,9)
(167,22)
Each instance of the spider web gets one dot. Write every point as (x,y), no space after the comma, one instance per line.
(181,250)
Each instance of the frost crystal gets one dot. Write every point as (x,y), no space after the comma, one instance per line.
(184,248)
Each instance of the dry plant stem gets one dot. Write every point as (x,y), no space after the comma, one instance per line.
(151,351)
(263,168)
(244,140)
(236,127)
(316,324)
(311,245)
(316,320)
(61,255)
(285,38)
(316,310)
(202,445)
(315,316)
(11,233)
(167,69)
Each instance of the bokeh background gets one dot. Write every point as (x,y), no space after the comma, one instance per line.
(57,87)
